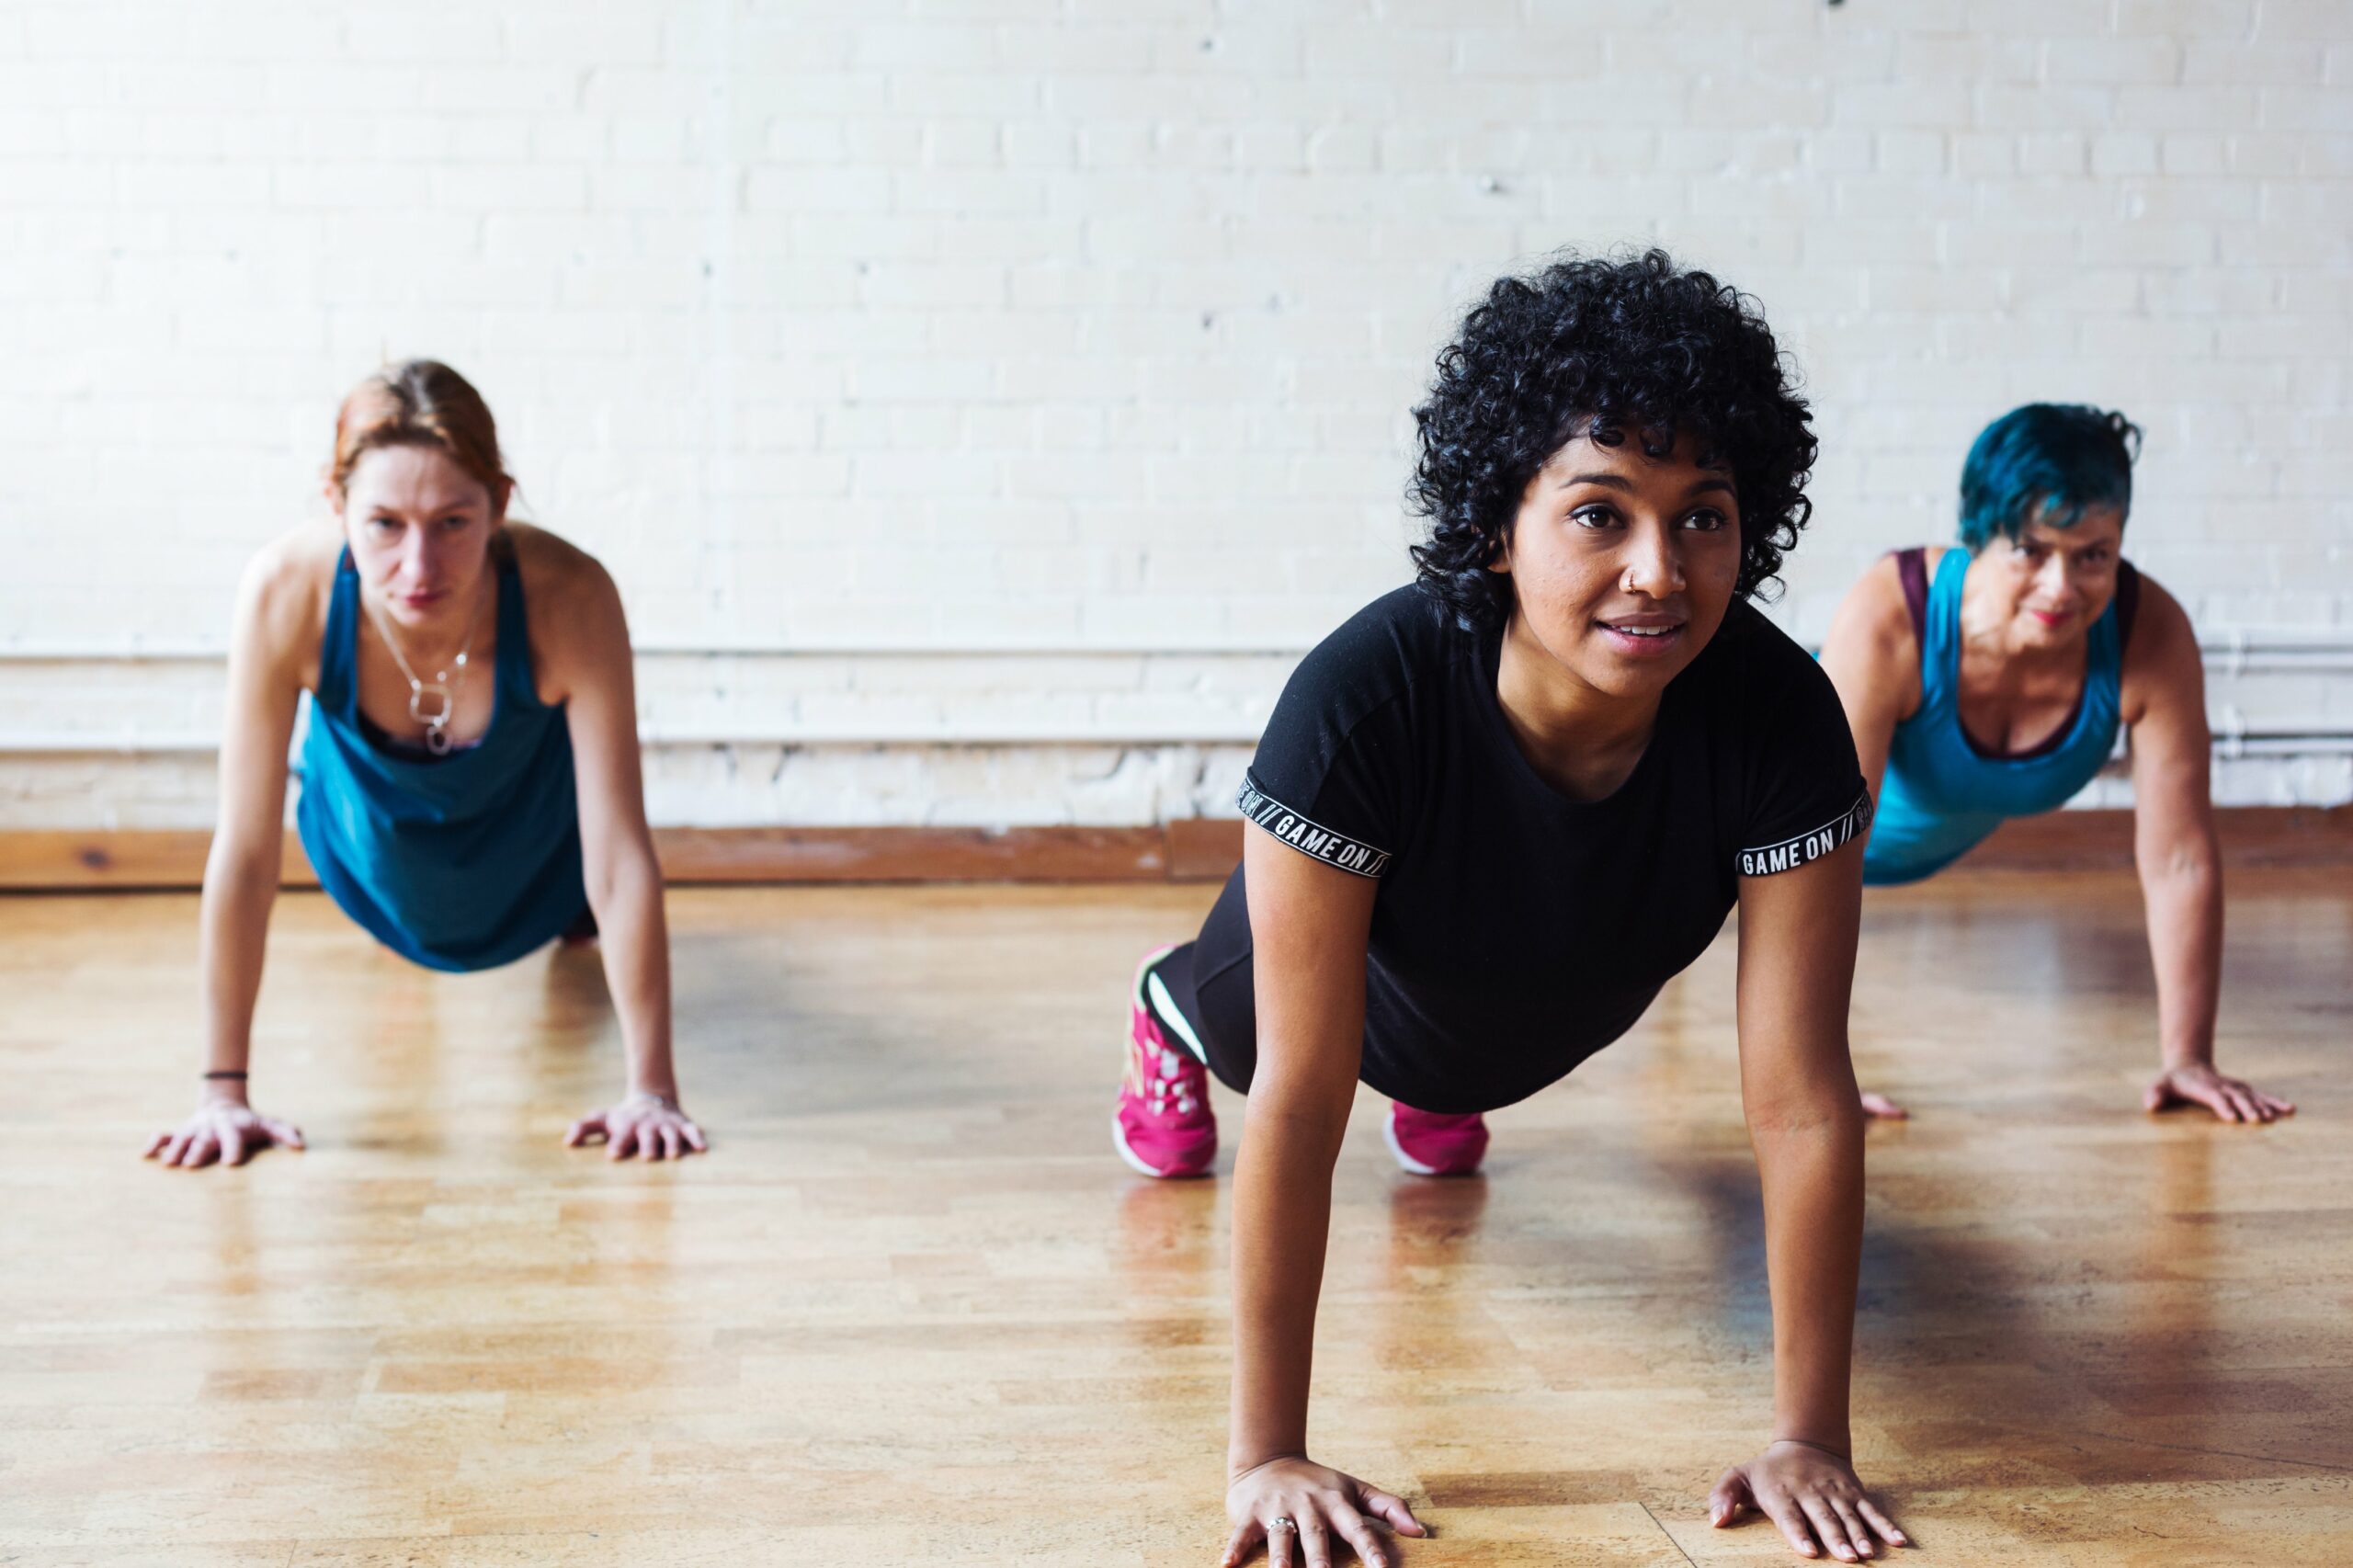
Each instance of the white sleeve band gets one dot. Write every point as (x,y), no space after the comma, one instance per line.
(1310,837)
(1808,848)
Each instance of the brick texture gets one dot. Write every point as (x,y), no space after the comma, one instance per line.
(1067,346)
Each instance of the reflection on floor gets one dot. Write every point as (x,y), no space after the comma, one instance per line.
(911,1309)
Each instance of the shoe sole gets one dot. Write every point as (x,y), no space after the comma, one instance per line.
(1407,1162)
(1137,1163)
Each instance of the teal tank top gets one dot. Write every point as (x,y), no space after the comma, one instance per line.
(463,862)
(1942,792)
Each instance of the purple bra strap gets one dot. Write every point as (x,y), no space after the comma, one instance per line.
(1911,566)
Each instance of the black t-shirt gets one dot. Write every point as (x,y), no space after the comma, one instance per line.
(1517,931)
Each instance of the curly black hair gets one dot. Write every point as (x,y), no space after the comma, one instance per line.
(1608,345)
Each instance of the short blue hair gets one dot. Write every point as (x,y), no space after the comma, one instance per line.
(2046,463)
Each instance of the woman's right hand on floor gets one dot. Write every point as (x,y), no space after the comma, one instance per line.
(1298,1507)
(227,1131)
(1812,1494)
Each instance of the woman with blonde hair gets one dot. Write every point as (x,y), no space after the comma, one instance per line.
(470,788)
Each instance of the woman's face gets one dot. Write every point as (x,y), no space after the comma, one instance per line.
(419,527)
(2047,585)
(1623,557)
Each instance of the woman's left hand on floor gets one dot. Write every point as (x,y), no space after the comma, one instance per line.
(2231,1099)
(643,1124)
(1812,1495)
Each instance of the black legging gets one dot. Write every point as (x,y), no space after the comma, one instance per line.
(1210,977)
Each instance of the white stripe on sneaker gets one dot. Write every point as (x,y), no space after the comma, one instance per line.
(1406,1162)
(1164,1007)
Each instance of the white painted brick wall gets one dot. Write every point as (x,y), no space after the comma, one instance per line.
(1081,335)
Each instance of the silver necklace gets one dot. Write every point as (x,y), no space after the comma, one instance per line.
(437,723)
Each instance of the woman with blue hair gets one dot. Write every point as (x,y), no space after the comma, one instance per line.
(1989,682)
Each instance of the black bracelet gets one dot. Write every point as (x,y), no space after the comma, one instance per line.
(236,1073)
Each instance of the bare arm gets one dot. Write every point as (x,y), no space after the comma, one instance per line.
(1308,929)
(624,880)
(1873,658)
(267,657)
(1308,926)
(1798,931)
(2180,859)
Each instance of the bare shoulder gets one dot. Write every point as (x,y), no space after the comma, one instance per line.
(579,635)
(2162,655)
(282,596)
(1872,655)
(1874,614)
(2158,619)
(558,574)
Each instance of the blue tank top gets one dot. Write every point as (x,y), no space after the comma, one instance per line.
(1942,792)
(463,862)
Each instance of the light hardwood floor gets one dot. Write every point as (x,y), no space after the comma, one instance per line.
(912,1310)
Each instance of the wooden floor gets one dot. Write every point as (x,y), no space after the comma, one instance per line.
(912,1310)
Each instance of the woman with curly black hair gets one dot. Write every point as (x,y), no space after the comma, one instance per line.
(1499,808)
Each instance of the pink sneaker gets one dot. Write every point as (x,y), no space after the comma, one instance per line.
(1426,1143)
(1163,1126)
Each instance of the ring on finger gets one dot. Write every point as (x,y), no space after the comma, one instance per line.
(1283,1522)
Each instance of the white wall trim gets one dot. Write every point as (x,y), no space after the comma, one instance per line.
(2324,648)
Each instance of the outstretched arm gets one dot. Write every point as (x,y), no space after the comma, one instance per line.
(1873,658)
(1798,931)
(616,858)
(1309,924)
(2181,862)
(241,871)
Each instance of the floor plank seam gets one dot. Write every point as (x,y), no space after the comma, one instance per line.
(1661,1530)
(916,1295)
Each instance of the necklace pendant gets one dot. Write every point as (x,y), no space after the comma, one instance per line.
(437,740)
(439,716)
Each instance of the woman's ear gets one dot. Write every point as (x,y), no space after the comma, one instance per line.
(333,493)
(500,495)
(1501,565)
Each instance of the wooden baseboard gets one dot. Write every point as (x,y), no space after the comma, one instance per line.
(915,854)
(1198,850)
(124,862)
